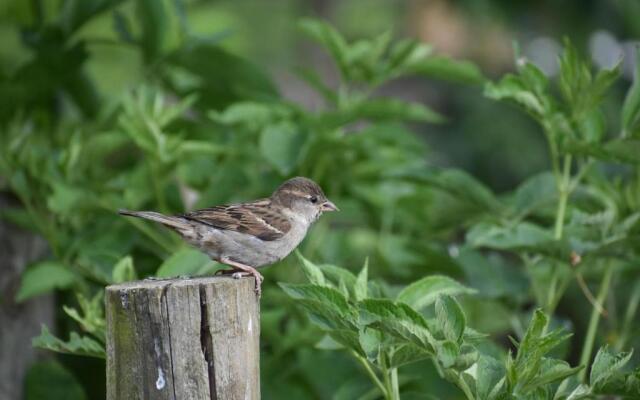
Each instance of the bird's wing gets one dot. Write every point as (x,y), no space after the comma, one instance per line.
(258,218)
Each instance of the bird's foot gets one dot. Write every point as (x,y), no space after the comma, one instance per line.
(245,270)
(237,275)
(259,278)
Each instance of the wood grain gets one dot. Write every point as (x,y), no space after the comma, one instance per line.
(183,339)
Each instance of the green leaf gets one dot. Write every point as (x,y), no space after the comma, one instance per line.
(347,338)
(186,261)
(575,76)
(50,380)
(326,295)
(92,318)
(582,92)
(524,235)
(616,150)
(551,371)
(43,277)
(606,365)
(512,88)
(592,126)
(360,287)
(407,354)
(282,146)
(533,78)
(631,106)
(327,307)
(450,318)
(122,27)
(124,271)
(466,358)
(66,199)
(155,22)
(537,326)
(370,342)
(447,353)
(338,276)
(191,147)
(311,271)
(314,80)
(425,291)
(75,14)
(404,55)
(529,368)
(220,77)
(330,39)
(492,276)
(448,69)
(536,192)
(328,343)
(489,374)
(399,320)
(462,186)
(581,392)
(389,109)
(252,114)
(77,345)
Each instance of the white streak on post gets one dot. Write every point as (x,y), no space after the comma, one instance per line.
(160,382)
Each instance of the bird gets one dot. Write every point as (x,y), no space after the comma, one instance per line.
(247,236)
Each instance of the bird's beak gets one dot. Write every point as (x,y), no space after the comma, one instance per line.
(328,206)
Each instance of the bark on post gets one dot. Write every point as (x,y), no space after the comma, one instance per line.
(183,339)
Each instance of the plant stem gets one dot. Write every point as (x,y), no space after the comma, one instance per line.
(563,184)
(634,301)
(158,187)
(387,379)
(371,373)
(593,323)
(395,389)
(465,388)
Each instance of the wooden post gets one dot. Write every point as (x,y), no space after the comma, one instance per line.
(183,339)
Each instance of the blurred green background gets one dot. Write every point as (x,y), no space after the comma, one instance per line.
(179,104)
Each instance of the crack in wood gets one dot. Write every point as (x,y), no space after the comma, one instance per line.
(167,319)
(206,342)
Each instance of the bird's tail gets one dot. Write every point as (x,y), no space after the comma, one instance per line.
(173,222)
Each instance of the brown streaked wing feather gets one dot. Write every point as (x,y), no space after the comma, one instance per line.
(257,218)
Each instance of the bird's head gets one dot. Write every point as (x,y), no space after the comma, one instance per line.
(304,197)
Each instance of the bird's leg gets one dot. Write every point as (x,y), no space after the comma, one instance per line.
(247,269)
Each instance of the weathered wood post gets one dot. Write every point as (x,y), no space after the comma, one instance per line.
(183,339)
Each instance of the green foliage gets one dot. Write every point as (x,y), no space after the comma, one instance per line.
(384,335)
(425,291)
(78,345)
(43,277)
(202,126)
(50,380)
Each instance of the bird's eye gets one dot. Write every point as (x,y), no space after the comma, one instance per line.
(313,199)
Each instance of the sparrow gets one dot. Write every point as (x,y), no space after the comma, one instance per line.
(246,236)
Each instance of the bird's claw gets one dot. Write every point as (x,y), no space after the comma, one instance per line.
(258,277)
(236,275)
